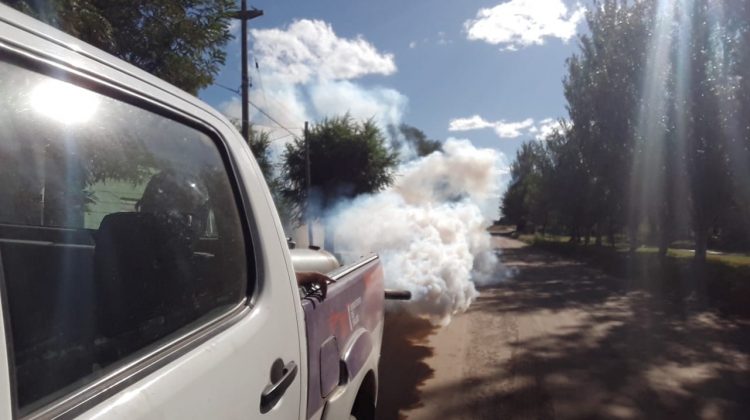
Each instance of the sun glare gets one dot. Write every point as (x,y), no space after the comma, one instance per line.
(64,102)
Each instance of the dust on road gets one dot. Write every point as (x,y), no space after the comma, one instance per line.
(562,340)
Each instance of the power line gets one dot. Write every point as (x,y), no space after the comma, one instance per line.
(236,91)
(259,110)
(274,127)
(279,138)
(271,118)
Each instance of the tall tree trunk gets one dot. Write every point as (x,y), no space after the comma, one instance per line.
(633,237)
(701,244)
(663,245)
(665,237)
(574,236)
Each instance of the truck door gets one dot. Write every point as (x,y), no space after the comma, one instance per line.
(140,279)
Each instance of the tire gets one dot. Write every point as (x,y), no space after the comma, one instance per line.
(363,409)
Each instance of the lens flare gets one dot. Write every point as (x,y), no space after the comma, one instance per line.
(64,102)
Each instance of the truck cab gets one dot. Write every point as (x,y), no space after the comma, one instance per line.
(144,272)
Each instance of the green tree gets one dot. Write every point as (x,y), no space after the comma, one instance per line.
(659,143)
(524,201)
(260,144)
(180,41)
(348,158)
(708,173)
(602,88)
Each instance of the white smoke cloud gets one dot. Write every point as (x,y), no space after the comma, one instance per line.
(283,102)
(333,98)
(429,228)
(517,24)
(461,171)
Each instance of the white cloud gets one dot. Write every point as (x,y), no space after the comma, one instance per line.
(544,128)
(442,39)
(511,130)
(507,129)
(234,28)
(475,122)
(503,129)
(309,49)
(413,44)
(517,24)
(307,73)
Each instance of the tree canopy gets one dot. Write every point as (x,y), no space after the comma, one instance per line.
(260,144)
(180,41)
(348,158)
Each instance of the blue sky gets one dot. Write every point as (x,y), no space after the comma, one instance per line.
(491,70)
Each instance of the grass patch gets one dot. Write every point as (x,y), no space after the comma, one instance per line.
(733,260)
(531,239)
(682,251)
(724,279)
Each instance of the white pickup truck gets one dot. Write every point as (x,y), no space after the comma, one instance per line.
(144,273)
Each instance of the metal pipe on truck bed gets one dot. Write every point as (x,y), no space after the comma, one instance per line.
(391,294)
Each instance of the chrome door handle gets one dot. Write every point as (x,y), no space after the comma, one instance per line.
(275,390)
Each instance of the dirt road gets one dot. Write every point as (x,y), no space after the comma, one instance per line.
(562,340)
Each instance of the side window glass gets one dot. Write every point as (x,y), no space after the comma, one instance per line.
(118,229)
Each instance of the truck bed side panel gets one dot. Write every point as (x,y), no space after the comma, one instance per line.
(344,321)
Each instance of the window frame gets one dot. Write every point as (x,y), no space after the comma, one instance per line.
(172,346)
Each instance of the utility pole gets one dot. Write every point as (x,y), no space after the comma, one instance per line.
(245,15)
(307,181)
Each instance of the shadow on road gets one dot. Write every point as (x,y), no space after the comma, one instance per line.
(402,364)
(575,343)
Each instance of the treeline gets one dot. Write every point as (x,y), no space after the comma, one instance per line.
(656,148)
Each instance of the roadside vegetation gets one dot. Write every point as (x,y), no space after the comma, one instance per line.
(180,41)
(655,155)
(722,281)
